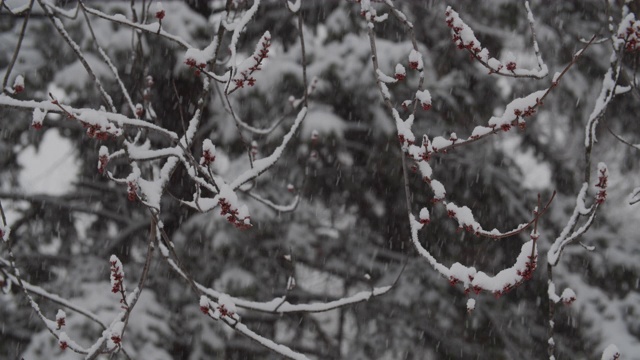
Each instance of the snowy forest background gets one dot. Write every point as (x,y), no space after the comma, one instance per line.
(349,231)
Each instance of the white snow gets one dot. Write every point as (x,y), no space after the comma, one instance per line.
(424,96)
(208,147)
(226,301)
(464,216)
(611,352)
(568,296)
(404,128)
(519,105)
(385,78)
(116,269)
(204,303)
(18,83)
(438,190)
(294,7)
(471,304)
(38,118)
(439,142)
(60,315)
(415,60)
(480,131)
(385,91)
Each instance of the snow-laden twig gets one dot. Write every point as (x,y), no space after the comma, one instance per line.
(611,352)
(262,165)
(259,166)
(474,280)
(536,49)
(277,305)
(226,315)
(37,290)
(415,56)
(464,38)
(568,235)
(118,119)
(243,72)
(225,311)
(52,326)
(17,10)
(573,230)
(237,28)
(609,89)
(269,344)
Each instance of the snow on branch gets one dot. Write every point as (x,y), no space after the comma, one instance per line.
(37,290)
(262,165)
(464,38)
(568,296)
(422,155)
(237,27)
(77,114)
(243,72)
(226,197)
(269,344)
(277,305)
(611,352)
(608,91)
(477,281)
(628,34)
(623,40)
(225,308)
(570,234)
(514,115)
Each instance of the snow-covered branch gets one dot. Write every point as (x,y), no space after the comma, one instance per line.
(464,38)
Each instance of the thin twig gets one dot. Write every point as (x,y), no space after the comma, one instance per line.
(16,51)
(303,57)
(112,67)
(637,147)
(74,46)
